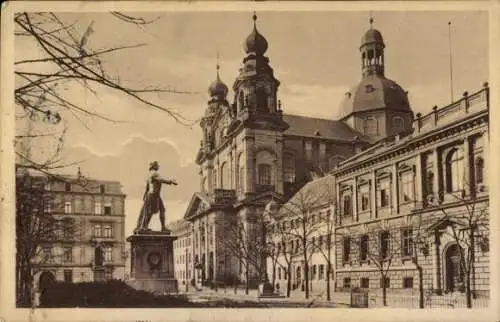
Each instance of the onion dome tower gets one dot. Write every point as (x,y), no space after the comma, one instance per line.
(256,87)
(377,107)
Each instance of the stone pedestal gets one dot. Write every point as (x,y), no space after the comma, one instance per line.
(152,262)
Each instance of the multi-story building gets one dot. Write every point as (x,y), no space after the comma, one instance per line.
(419,200)
(252,152)
(88,242)
(183,264)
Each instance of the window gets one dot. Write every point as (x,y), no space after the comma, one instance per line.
(370,127)
(264,174)
(224,173)
(313,272)
(321,272)
(363,248)
(365,201)
(347,282)
(97,208)
(108,254)
(288,168)
(102,188)
(398,124)
(384,193)
(279,273)
(313,219)
(364,282)
(454,171)
(214,180)
(346,249)
(320,241)
(313,242)
(347,205)
(68,276)
(47,254)
(387,281)
(241,99)
(408,282)
(241,178)
(48,206)
(430,183)
(68,255)
(67,207)
(67,229)
(407,242)
(97,230)
(262,100)
(384,244)
(107,209)
(67,186)
(384,198)
(48,186)
(479,170)
(407,186)
(108,231)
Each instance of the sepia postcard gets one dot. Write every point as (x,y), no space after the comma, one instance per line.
(249,161)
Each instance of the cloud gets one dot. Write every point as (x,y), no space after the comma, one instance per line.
(129,165)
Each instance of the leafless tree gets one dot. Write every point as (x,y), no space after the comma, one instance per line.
(327,245)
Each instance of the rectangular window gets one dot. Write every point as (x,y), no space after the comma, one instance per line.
(68,276)
(365,201)
(47,255)
(406,242)
(107,209)
(279,273)
(108,254)
(67,186)
(384,198)
(347,282)
(346,249)
(97,208)
(430,183)
(321,273)
(108,231)
(387,282)
(363,248)
(67,255)
(97,230)
(264,174)
(347,205)
(314,272)
(364,282)
(67,207)
(320,241)
(102,188)
(289,168)
(408,282)
(407,189)
(384,244)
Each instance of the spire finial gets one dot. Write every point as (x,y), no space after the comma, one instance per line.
(217,66)
(371,20)
(254,17)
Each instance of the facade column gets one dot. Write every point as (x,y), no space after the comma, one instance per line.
(250,164)
(437,174)
(467,183)
(355,200)
(394,190)
(278,171)
(418,183)
(337,212)
(373,196)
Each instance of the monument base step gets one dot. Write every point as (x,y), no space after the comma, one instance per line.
(168,286)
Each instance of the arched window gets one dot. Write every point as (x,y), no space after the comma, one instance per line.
(224,172)
(264,171)
(241,100)
(454,170)
(370,126)
(262,100)
(288,167)
(398,124)
(214,180)
(204,185)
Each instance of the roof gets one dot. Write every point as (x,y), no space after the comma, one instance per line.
(372,36)
(374,92)
(310,126)
(315,193)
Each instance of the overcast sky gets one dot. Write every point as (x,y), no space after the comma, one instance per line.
(315,55)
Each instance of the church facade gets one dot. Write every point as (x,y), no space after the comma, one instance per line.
(252,152)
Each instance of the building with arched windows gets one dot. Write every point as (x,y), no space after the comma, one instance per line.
(390,174)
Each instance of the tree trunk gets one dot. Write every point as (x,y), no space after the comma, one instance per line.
(306,274)
(289,281)
(274,275)
(246,281)
(328,291)
(468,293)
(384,291)
(420,286)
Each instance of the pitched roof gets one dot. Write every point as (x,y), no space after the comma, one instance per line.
(311,126)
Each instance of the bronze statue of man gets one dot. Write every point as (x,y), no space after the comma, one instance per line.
(152,199)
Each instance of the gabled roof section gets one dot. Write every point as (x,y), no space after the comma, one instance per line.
(312,195)
(317,127)
(199,202)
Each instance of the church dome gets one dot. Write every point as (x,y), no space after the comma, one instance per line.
(372,36)
(218,88)
(255,42)
(374,92)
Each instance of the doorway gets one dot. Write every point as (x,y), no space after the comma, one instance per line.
(454,272)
